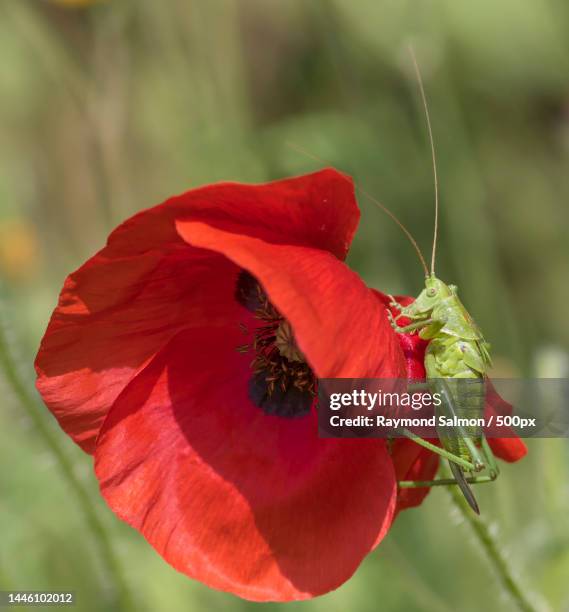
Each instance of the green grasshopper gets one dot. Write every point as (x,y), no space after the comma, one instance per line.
(457,360)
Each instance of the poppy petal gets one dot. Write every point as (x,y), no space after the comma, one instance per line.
(508,449)
(338,323)
(127,301)
(248,503)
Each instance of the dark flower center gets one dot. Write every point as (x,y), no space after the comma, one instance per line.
(281,383)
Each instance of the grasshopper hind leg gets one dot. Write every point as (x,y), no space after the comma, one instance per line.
(463,471)
(464,486)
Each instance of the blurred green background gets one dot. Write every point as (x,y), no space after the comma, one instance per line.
(109,107)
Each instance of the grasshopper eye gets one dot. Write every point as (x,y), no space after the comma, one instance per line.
(431,292)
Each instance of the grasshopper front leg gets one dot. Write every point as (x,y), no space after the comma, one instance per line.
(408,328)
(394,304)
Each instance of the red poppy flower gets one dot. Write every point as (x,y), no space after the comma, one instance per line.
(184,357)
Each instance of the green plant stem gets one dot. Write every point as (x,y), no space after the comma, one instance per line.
(482,532)
(33,409)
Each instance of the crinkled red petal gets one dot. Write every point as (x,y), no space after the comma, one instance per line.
(339,324)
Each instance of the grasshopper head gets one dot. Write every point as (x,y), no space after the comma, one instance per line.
(434,291)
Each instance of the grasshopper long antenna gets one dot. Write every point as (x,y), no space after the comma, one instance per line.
(432,141)
(374,201)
